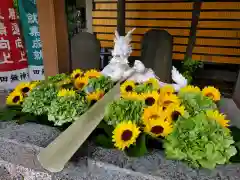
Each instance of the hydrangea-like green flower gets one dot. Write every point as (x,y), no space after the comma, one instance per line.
(122,110)
(200,141)
(65,109)
(39,99)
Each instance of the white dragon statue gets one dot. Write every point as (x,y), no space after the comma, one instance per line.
(119,68)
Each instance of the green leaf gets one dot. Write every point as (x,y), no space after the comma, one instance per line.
(107,128)
(8,115)
(207,164)
(27,118)
(104,141)
(139,149)
(235,133)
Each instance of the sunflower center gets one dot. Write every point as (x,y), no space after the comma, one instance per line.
(93,102)
(157,129)
(126,135)
(155,116)
(166,103)
(209,95)
(129,88)
(16,99)
(175,115)
(80,85)
(25,89)
(77,76)
(149,101)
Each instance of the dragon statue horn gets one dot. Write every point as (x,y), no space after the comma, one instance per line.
(130,33)
(116,35)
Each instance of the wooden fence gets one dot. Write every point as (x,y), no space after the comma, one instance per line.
(218,31)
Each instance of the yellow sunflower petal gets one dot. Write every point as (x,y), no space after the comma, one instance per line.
(169,99)
(190,89)
(158,128)
(125,134)
(80,82)
(151,99)
(92,74)
(76,73)
(24,87)
(95,96)
(212,93)
(152,82)
(66,92)
(152,113)
(167,89)
(132,96)
(14,98)
(127,86)
(218,117)
(174,111)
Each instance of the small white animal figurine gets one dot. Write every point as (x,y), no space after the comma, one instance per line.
(142,74)
(118,66)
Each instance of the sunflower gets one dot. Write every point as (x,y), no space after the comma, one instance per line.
(64,82)
(95,96)
(14,98)
(212,93)
(125,134)
(66,92)
(24,87)
(167,89)
(76,73)
(80,82)
(34,84)
(190,89)
(158,127)
(218,117)
(150,98)
(152,113)
(168,99)
(127,86)
(92,74)
(174,111)
(132,96)
(153,82)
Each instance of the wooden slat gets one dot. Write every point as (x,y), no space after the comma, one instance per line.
(137,0)
(206,58)
(129,22)
(217,59)
(218,42)
(109,44)
(137,38)
(146,6)
(173,32)
(220,15)
(219,24)
(176,56)
(219,33)
(221,5)
(214,50)
(149,15)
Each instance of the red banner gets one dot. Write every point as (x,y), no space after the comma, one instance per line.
(13,60)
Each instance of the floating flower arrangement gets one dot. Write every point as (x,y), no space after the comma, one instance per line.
(187,124)
(59,99)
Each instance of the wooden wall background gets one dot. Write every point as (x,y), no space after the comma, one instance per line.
(218,34)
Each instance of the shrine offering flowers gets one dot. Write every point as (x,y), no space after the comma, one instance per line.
(187,122)
(61,98)
(125,134)
(201,137)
